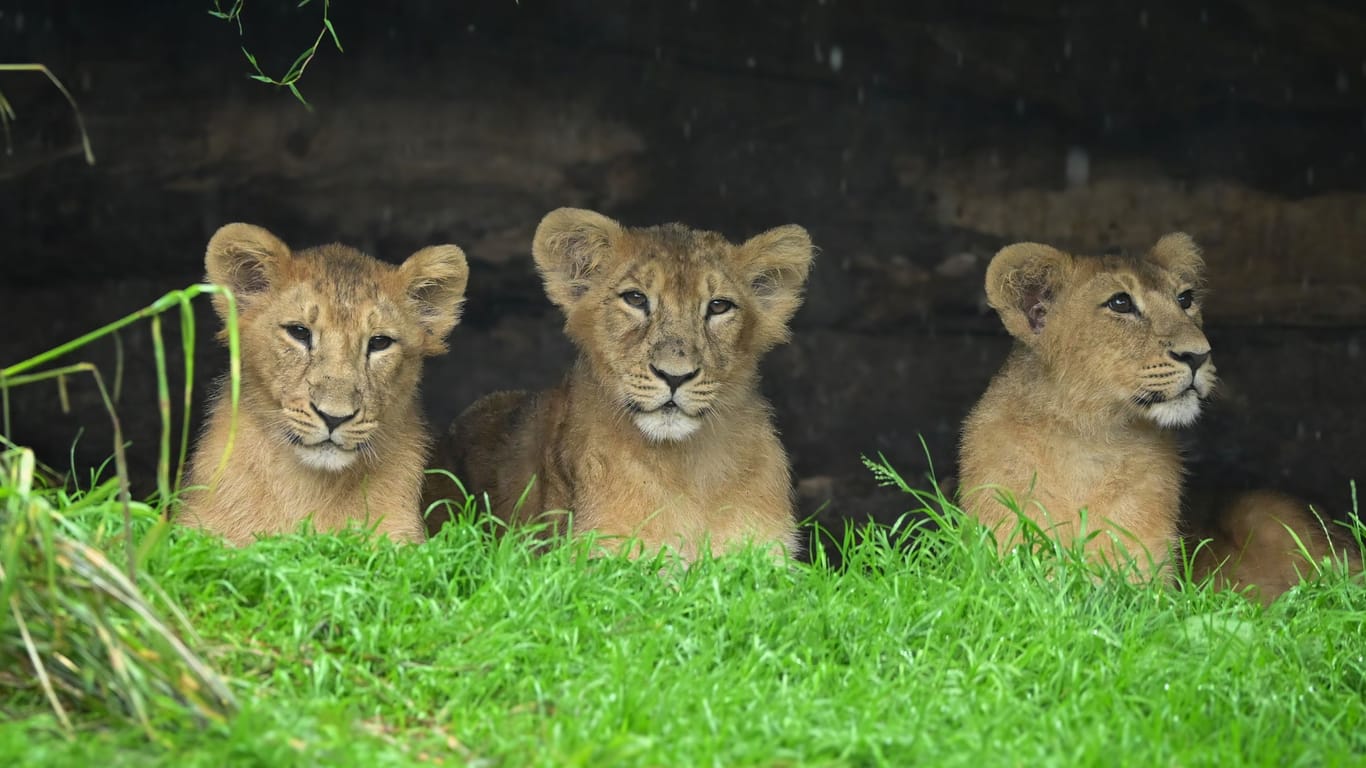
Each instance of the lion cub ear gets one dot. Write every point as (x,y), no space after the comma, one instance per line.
(569,246)
(1178,253)
(777,263)
(434,281)
(245,259)
(1022,282)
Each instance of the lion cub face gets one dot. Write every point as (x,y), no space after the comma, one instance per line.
(332,340)
(671,320)
(1115,332)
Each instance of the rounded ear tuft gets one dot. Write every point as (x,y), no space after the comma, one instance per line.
(1021,284)
(435,280)
(569,246)
(777,263)
(1178,253)
(245,259)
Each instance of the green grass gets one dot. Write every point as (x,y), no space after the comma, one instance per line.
(473,649)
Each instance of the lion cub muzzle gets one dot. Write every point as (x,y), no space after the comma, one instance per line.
(1172,392)
(327,441)
(669,410)
(329,430)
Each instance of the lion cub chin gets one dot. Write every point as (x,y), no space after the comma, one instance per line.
(1108,354)
(658,432)
(328,428)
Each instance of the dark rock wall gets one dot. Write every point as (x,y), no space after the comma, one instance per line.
(911,139)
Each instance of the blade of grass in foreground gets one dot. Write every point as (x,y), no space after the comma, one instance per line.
(75,623)
(79,626)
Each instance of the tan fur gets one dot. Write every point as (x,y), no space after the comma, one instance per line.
(605,443)
(287,464)
(1076,418)
(1257,543)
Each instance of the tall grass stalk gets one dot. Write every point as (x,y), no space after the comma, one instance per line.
(7,114)
(82,626)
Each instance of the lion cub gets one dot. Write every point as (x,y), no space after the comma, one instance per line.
(329,427)
(1109,354)
(658,431)
(1262,543)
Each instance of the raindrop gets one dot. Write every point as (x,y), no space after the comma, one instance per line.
(19,22)
(1289,93)
(1067,49)
(1077,168)
(860,94)
(1204,15)
(1342,82)
(1353,348)
(692,6)
(1299,430)
(816,51)
(1143,18)
(836,58)
(1109,122)
(1019,106)
(1309,175)
(687,129)
(959,55)
(750,62)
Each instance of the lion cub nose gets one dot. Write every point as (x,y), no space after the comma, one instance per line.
(1193,359)
(675,380)
(331,421)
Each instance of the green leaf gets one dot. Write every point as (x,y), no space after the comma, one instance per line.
(335,40)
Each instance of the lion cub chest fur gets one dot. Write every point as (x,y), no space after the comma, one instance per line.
(1109,355)
(328,428)
(658,431)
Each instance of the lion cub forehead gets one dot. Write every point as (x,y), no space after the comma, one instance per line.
(342,287)
(345,276)
(675,244)
(1132,272)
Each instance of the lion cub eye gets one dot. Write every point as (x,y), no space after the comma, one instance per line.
(1185,299)
(300,334)
(378,344)
(719,307)
(1122,303)
(636,299)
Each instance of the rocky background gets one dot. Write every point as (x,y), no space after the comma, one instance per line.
(912,139)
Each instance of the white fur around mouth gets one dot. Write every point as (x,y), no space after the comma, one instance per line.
(664,425)
(326,456)
(1179,411)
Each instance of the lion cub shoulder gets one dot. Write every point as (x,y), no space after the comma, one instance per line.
(1108,354)
(658,431)
(328,428)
